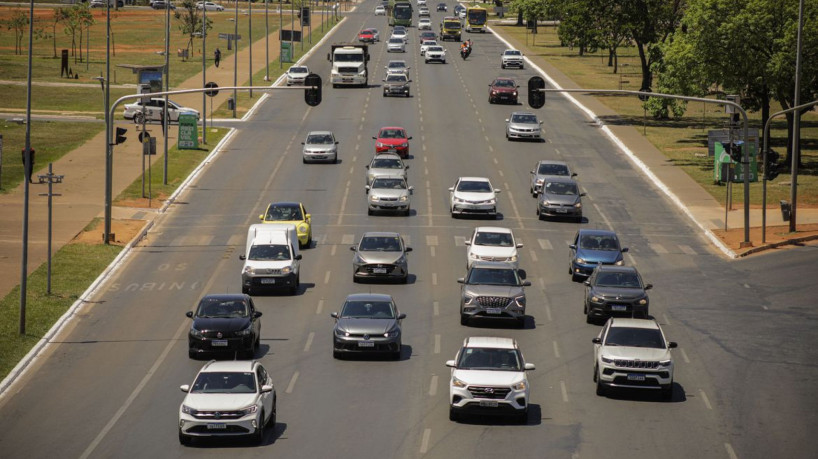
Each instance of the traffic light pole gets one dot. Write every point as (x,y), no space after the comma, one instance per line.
(764,151)
(746,146)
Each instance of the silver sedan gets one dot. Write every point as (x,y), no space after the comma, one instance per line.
(523,125)
(380,255)
(389,194)
(387,164)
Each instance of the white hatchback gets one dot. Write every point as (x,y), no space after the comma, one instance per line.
(492,243)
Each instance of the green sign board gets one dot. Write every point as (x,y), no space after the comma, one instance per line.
(286,52)
(188,132)
(724,167)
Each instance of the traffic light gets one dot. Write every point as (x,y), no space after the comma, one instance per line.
(735,152)
(120,135)
(771,166)
(536,98)
(312,93)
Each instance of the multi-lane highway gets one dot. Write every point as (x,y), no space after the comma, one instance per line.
(747,347)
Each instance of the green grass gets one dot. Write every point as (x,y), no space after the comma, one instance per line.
(73,269)
(683,140)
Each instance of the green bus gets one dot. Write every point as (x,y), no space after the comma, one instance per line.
(400,14)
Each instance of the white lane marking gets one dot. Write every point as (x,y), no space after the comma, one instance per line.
(436,308)
(684,355)
(548,312)
(437,344)
(658,248)
(730,451)
(431,240)
(556,350)
(292,383)
(604,218)
(348,239)
(351,169)
(343,205)
(433,386)
(502,175)
(354,158)
(542,283)
(434,278)
(121,411)
(631,260)
(320,307)
(667,321)
(495,160)
(564,392)
(533,256)
(309,342)
(332,250)
(491,150)
(425,169)
(326,277)
(429,203)
(432,250)
(424,443)
(460,241)
(705,400)
(687,249)
(425,159)
(514,207)
(545,244)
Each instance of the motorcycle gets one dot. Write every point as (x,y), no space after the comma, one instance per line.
(465,51)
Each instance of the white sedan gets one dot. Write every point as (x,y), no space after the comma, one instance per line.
(400,33)
(425,45)
(297,74)
(424,24)
(473,195)
(209,6)
(154,110)
(380,10)
(396,45)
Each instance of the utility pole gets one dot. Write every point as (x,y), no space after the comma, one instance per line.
(250,42)
(51,179)
(27,165)
(165,120)
(204,75)
(796,121)
(235,56)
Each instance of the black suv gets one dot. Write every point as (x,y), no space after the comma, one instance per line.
(615,291)
(225,323)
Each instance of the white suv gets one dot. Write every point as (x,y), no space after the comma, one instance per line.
(488,377)
(228,398)
(492,243)
(633,353)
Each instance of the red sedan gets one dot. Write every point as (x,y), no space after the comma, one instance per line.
(392,140)
(367,36)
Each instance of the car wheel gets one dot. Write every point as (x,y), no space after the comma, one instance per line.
(138,118)
(258,435)
(405,279)
(667,392)
(245,290)
(521,322)
(407,212)
(464,319)
(453,415)
(354,279)
(595,373)
(336,354)
(426,61)
(273,415)
(600,388)
(185,439)
(575,278)
(304,160)
(191,354)
(369,211)
(309,242)
(588,318)
(502,66)
(522,418)
(384,94)
(396,355)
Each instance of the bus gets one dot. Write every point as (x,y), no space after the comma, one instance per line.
(401,14)
(476,17)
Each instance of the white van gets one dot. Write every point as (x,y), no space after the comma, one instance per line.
(271,258)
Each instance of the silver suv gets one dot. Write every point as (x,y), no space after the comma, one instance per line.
(493,290)
(511,58)
(320,146)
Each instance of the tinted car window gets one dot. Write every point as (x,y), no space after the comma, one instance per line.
(493,276)
(561,188)
(269,252)
(368,309)
(319,139)
(627,280)
(472,358)
(395,184)
(552,169)
(504,83)
(523,119)
(380,244)
(494,239)
(284,213)
(212,307)
(635,337)
(381,163)
(469,186)
(224,383)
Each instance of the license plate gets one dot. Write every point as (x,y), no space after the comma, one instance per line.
(494,311)
(268,280)
(379,270)
(561,211)
(217,426)
(618,307)
(632,377)
(392,150)
(219,343)
(366,344)
(489,403)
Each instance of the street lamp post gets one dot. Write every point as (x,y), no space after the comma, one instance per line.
(235,55)
(204,74)
(27,166)
(267,39)
(165,121)
(796,121)
(250,41)
(109,150)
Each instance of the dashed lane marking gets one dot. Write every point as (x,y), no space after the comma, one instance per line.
(292,383)
(434,278)
(436,308)
(705,400)
(533,255)
(658,248)
(326,277)
(433,386)
(556,350)
(545,244)
(730,452)
(320,307)
(687,249)
(684,355)
(437,344)
(424,443)
(309,342)
(348,239)
(564,392)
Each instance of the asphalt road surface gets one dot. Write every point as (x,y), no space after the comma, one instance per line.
(745,364)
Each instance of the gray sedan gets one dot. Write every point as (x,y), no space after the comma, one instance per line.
(396,85)
(547,167)
(523,125)
(388,164)
(390,194)
(368,322)
(560,197)
(380,255)
(320,146)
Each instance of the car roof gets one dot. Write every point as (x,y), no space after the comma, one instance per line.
(596,232)
(380,234)
(369,297)
(490,342)
(385,156)
(475,179)
(493,265)
(225,296)
(634,323)
(492,229)
(319,133)
(229,365)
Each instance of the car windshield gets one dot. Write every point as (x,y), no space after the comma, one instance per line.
(474,186)
(213,307)
(624,280)
(224,382)
(397,65)
(561,188)
(599,242)
(321,139)
(494,239)
(269,252)
(392,134)
(552,169)
(435,49)
(399,78)
(396,40)
(512,53)
(524,118)
(386,163)
(429,43)
(284,213)
(481,358)
(298,70)
(367,310)
(493,276)
(389,183)
(635,337)
(342,57)
(504,83)
(380,244)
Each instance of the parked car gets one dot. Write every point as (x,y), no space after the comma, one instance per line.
(154,109)
(389,194)
(367,322)
(492,243)
(157,4)
(224,323)
(320,146)
(117,4)
(233,398)
(209,6)
(297,74)
(523,125)
(547,167)
(560,197)
(396,85)
(380,255)
(473,196)
(616,291)
(488,376)
(511,58)
(492,290)
(503,90)
(590,248)
(633,354)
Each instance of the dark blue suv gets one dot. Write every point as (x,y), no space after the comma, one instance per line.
(592,247)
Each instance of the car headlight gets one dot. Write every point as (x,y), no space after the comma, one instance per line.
(595,299)
(458,383)
(302,228)
(404,198)
(514,93)
(401,260)
(539,181)
(380,144)
(519,386)
(467,299)
(246,332)
(545,203)
(249,410)
(512,258)
(581,261)
(286,270)
(188,410)
(341,332)
(643,301)
(249,270)
(374,198)
(405,144)
(195,333)
(520,300)
(620,263)
(606,359)
(459,201)
(474,256)
(494,93)
(392,333)
(578,205)
(665,363)
(491,201)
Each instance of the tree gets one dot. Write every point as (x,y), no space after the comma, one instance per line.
(531,10)
(190,21)
(76,17)
(17,22)
(577,27)
(58,17)
(747,48)
(649,23)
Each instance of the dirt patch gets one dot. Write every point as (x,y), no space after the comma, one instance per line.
(777,237)
(123,230)
(144,203)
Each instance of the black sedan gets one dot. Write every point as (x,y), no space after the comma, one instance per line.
(615,291)
(227,323)
(442,7)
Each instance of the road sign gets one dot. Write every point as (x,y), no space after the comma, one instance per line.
(188,132)
(286,52)
(212,92)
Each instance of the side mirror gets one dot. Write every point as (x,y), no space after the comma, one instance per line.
(266,388)
(648,286)
(573,174)
(526,284)
(367,166)
(189,314)
(583,194)
(588,283)
(520,245)
(401,316)
(308,217)
(406,167)
(298,257)
(572,246)
(450,363)
(367,189)
(468,243)
(302,143)
(497,190)
(409,138)
(411,189)
(451,188)
(257,314)
(336,142)
(624,249)
(242,257)
(597,340)
(528,366)
(185,387)
(384,80)
(374,138)
(353,248)
(461,280)
(506,120)
(541,122)
(334,315)
(408,249)
(672,345)
(261,217)
(532,172)
(410,82)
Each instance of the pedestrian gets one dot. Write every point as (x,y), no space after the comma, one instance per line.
(218,55)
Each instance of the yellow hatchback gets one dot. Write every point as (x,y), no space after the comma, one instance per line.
(291,212)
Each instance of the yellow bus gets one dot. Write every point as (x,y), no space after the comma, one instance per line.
(476,17)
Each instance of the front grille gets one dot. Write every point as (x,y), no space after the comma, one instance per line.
(348,70)
(216,415)
(486,258)
(497,393)
(388,199)
(229,429)
(493,301)
(370,269)
(635,364)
